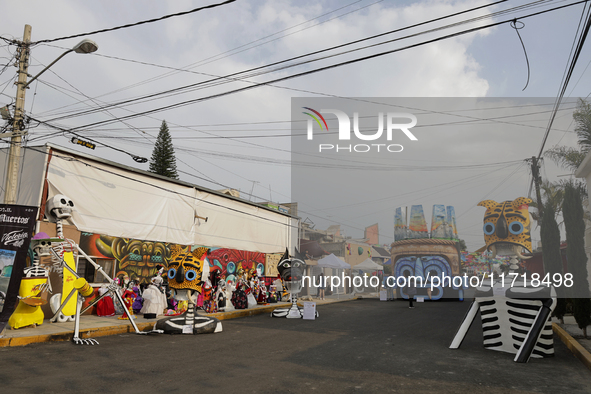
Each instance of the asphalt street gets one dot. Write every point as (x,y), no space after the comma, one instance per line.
(361,346)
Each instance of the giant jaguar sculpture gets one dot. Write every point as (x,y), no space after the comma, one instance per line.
(186,272)
(515,317)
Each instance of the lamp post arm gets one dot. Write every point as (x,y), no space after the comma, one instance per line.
(50,64)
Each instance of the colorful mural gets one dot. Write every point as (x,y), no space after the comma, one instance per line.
(139,259)
(232,261)
(135,258)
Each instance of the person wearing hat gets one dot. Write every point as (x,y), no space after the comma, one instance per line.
(154,298)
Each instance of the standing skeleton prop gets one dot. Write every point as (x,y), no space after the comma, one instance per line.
(186,274)
(60,208)
(515,317)
(291,271)
(35,281)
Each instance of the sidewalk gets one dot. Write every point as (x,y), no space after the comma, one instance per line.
(92,326)
(572,336)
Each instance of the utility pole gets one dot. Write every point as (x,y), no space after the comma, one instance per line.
(536,175)
(18,125)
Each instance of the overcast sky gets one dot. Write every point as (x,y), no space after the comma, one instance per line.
(152,58)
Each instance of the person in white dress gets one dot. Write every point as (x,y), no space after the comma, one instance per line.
(154,298)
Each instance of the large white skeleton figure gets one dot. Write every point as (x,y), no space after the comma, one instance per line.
(515,317)
(60,208)
(57,209)
(291,271)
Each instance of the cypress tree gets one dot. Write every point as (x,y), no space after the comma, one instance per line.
(550,235)
(163,161)
(574,224)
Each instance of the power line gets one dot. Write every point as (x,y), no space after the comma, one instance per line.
(352,61)
(235,76)
(570,68)
(136,23)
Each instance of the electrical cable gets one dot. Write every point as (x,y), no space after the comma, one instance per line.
(513,24)
(570,68)
(232,76)
(136,23)
(348,62)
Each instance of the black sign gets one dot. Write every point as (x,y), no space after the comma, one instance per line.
(86,144)
(17,223)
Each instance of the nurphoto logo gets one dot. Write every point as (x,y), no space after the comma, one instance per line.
(394,122)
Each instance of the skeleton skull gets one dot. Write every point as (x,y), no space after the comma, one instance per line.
(58,207)
(42,247)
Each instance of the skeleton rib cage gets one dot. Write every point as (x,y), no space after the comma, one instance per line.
(507,322)
(67,245)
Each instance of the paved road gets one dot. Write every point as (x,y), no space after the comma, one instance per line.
(362,346)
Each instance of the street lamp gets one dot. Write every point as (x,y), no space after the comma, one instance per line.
(18,126)
(84,46)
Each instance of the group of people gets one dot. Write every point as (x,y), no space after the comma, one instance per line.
(154,298)
(147,299)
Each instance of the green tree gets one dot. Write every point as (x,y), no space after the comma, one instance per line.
(574,224)
(550,234)
(462,245)
(163,161)
(552,194)
(571,158)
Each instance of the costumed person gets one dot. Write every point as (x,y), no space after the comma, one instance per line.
(411,290)
(154,298)
(106,306)
(262,297)
(239,299)
(230,288)
(209,304)
(138,302)
(272,297)
(128,298)
(119,309)
(220,295)
(278,288)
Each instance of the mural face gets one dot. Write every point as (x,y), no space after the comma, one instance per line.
(231,261)
(507,223)
(135,258)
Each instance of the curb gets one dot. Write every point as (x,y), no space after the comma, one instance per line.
(579,351)
(67,335)
(125,329)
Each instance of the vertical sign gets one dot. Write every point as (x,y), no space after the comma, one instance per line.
(400,229)
(451,219)
(438,222)
(309,311)
(17,223)
(271,261)
(417,227)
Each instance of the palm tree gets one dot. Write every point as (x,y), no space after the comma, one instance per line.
(571,158)
(553,194)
